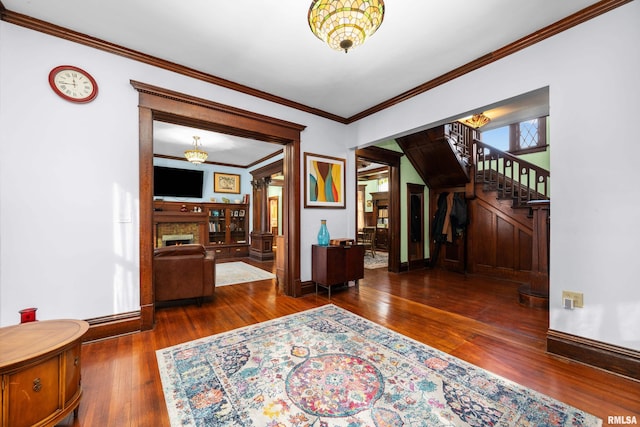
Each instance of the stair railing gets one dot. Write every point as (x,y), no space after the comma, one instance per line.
(461,138)
(511,176)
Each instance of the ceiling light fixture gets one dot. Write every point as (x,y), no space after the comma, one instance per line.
(196,155)
(345,24)
(477,120)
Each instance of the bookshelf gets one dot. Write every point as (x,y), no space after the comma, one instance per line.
(220,227)
(381,215)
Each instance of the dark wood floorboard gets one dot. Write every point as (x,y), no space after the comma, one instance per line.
(475,319)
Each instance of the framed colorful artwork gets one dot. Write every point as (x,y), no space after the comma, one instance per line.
(324,180)
(226,183)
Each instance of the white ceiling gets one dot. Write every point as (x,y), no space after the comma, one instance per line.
(172,140)
(268,46)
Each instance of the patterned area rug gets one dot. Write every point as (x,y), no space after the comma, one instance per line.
(230,273)
(327,367)
(381,260)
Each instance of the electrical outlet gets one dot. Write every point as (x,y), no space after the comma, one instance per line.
(567,303)
(576,297)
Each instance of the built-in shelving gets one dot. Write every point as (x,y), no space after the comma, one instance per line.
(221,227)
(381,215)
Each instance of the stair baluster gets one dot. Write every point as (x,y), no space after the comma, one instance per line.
(496,169)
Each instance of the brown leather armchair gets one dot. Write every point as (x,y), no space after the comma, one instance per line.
(183,271)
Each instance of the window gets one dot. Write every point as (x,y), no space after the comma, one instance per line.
(498,138)
(383,184)
(528,136)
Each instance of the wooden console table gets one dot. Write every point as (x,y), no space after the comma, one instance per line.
(40,372)
(333,265)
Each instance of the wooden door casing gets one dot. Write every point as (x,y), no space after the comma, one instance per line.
(415,226)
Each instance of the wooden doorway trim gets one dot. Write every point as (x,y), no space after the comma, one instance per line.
(392,160)
(415,226)
(155,103)
(262,238)
(266,172)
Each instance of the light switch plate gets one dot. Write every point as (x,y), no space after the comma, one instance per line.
(576,297)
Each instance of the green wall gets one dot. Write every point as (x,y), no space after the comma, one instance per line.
(408,175)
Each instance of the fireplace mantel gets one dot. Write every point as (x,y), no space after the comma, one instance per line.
(197,219)
(173,216)
(220,227)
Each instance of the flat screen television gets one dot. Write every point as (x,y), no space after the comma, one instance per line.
(173,182)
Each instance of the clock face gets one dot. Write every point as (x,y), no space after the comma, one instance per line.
(73,84)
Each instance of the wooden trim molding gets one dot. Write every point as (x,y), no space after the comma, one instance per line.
(619,360)
(307,287)
(94,42)
(577,18)
(155,103)
(268,170)
(285,130)
(392,160)
(111,326)
(231,165)
(570,21)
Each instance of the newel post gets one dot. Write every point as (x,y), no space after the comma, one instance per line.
(261,239)
(536,292)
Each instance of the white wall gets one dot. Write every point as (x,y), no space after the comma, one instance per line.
(69,210)
(592,72)
(69,213)
(594,99)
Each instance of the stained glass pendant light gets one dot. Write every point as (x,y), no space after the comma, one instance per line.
(345,24)
(196,155)
(477,120)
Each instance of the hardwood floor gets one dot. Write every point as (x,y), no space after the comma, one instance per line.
(474,319)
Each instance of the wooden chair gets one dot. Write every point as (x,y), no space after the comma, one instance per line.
(369,240)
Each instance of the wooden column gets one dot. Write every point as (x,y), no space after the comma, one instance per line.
(261,236)
(536,292)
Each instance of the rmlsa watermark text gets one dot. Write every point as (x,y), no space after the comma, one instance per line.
(622,419)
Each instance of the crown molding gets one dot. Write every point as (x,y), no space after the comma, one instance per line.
(94,42)
(571,21)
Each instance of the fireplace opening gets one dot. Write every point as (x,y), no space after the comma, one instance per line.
(177,239)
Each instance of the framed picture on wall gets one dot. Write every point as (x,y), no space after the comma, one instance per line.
(226,183)
(324,180)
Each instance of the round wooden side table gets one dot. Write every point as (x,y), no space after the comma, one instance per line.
(40,371)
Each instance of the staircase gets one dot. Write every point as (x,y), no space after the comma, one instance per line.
(441,155)
(511,177)
(451,156)
(504,194)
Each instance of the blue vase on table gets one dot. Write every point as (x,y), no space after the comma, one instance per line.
(323,234)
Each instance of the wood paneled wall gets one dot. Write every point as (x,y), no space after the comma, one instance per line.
(499,245)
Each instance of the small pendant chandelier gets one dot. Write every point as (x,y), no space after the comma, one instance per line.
(196,155)
(477,120)
(345,24)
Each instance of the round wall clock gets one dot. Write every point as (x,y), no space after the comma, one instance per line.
(73,83)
